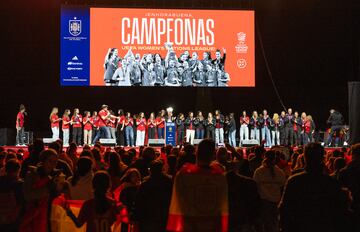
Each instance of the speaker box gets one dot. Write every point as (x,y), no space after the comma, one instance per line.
(156,142)
(108,142)
(249,143)
(7,136)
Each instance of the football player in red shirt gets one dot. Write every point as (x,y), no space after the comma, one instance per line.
(140,129)
(129,131)
(20,126)
(104,131)
(55,123)
(95,119)
(77,127)
(88,123)
(160,123)
(151,126)
(66,127)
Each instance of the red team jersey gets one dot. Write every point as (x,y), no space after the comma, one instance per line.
(77,121)
(53,118)
(151,124)
(96,222)
(129,121)
(88,125)
(20,120)
(102,122)
(66,119)
(96,121)
(160,122)
(142,125)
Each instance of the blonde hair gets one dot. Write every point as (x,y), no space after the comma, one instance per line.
(53,112)
(276,118)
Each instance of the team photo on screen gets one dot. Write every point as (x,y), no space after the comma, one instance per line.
(157,47)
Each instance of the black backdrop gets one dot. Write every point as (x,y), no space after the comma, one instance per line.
(312,47)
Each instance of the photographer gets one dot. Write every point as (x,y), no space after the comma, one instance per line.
(336,121)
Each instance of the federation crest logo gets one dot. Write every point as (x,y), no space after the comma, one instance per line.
(75,26)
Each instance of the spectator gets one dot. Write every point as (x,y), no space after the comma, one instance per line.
(153,199)
(80,185)
(143,163)
(130,185)
(116,169)
(270,179)
(40,187)
(313,201)
(72,153)
(196,206)
(339,163)
(33,159)
(98,211)
(62,163)
(244,201)
(349,178)
(11,197)
(256,160)
(222,158)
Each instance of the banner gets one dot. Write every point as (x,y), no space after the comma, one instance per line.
(161,47)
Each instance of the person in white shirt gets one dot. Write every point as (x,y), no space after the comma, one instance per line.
(80,185)
(270,180)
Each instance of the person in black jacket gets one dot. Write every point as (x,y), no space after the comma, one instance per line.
(289,128)
(180,128)
(282,127)
(244,201)
(190,128)
(336,121)
(199,123)
(210,126)
(297,124)
(231,128)
(153,199)
(313,201)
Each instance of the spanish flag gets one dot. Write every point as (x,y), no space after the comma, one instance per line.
(199,200)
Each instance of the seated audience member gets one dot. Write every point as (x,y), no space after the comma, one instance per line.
(98,211)
(313,201)
(270,180)
(116,169)
(41,185)
(143,163)
(257,159)
(222,158)
(130,185)
(11,197)
(349,178)
(187,156)
(244,201)
(34,152)
(64,163)
(80,185)
(194,205)
(153,199)
(339,163)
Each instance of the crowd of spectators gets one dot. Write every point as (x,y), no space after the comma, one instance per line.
(186,188)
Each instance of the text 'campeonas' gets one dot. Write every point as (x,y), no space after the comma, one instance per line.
(157,31)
